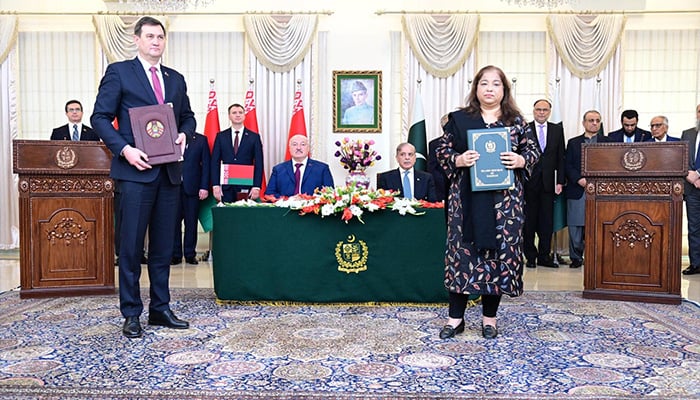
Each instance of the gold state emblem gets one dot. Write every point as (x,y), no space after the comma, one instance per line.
(66,158)
(490,146)
(351,255)
(154,129)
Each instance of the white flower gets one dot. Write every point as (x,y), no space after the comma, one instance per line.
(327,209)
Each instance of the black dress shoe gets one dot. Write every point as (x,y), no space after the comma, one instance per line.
(132,328)
(576,264)
(692,270)
(547,262)
(175,261)
(489,331)
(167,319)
(192,260)
(144,259)
(531,264)
(449,331)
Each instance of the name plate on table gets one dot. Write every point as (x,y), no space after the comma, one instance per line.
(489,173)
(155,132)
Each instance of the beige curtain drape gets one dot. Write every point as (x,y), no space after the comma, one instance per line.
(116,35)
(586,43)
(9,212)
(280,42)
(441,43)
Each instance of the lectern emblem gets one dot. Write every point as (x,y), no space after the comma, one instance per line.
(633,160)
(155,129)
(351,255)
(66,158)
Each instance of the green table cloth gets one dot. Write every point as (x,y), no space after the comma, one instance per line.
(273,254)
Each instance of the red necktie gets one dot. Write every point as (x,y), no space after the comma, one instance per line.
(157,89)
(235,144)
(297,178)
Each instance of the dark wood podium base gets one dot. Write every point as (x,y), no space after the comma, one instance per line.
(644,297)
(66,292)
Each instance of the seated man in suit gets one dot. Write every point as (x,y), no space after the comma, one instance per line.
(659,129)
(300,174)
(413,184)
(74,129)
(629,132)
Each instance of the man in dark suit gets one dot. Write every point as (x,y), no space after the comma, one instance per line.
(629,132)
(74,129)
(575,199)
(412,184)
(312,174)
(241,146)
(149,193)
(546,180)
(691,194)
(659,130)
(439,176)
(195,187)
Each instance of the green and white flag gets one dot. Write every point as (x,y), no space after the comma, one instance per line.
(416,134)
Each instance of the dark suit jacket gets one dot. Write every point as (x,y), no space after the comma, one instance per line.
(691,136)
(573,165)
(196,167)
(249,153)
(668,139)
(64,133)
(553,159)
(316,175)
(640,135)
(423,184)
(125,85)
(439,176)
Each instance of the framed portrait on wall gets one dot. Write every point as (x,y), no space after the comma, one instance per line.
(357,101)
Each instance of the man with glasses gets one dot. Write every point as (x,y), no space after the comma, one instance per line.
(659,129)
(74,129)
(629,132)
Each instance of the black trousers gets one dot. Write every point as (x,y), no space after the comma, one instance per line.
(458,304)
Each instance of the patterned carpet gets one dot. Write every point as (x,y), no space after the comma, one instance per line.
(551,345)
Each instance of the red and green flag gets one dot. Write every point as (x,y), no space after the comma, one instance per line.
(237,174)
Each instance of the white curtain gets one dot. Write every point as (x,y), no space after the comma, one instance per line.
(9,212)
(586,58)
(438,51)
(282,52)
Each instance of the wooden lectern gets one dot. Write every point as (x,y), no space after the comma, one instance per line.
(634,218)
(66,218)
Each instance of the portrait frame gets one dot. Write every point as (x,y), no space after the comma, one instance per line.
(360,118)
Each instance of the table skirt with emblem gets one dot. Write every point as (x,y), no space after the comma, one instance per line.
(274,254)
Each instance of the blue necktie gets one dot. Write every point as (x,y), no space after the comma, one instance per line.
(697,157)
(76,135)
(542,138)
(407,186)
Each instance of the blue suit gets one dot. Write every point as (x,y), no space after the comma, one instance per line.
(316,175)
(640,135)
(668,139)
(423,184)
(149,197)
(195,177)
(249,153)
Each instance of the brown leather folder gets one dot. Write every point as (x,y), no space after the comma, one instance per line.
(155,132)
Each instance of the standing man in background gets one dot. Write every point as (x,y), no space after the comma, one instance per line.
(236,145)
(75,129)
(575,189)
(629,132)
(546,180)
(149,193)
(692,195)
(195,187)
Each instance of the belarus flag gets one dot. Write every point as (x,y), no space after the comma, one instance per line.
(236,174)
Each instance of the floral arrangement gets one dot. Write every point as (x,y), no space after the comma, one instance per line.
(356,155)
(352,201)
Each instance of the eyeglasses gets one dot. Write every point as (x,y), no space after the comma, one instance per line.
(655,126)
(75,109)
